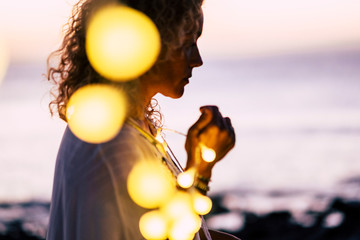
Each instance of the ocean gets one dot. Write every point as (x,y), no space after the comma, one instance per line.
(296,117)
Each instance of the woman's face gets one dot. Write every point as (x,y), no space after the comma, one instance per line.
(172,75)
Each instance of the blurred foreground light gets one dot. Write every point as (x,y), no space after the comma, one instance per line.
(208,154)
(179,205)
(186,179)
(122,43)
(96,112)
(4,59)
(153,225)
(185,227)
(150,184)
(202,204)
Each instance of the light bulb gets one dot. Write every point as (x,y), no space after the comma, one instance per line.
(150,184)
(202,204)
(95,113)
(153,225)
(186,179)
(208,154)
(121,43)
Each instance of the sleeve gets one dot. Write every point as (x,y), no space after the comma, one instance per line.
(110,209)
(90,198)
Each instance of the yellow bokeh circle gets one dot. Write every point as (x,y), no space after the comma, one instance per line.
(207,154)
(185,227)
(179,205)
(201,204)
(121,43)
(95,113)
(153,225)
(186,179)
(150,184)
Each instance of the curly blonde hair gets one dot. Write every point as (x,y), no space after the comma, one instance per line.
(69,68)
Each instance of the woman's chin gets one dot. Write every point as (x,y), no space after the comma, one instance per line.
(175,94)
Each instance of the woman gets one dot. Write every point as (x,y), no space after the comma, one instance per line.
(90,199)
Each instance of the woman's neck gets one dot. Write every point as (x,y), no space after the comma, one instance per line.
(146,94)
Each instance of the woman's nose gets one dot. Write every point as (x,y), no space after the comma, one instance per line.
(195,58)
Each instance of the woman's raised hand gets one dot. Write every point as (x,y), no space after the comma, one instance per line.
(215,132)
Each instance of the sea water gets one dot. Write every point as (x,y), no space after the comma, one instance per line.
(296,118)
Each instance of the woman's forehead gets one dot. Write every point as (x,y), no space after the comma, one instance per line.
(196,31)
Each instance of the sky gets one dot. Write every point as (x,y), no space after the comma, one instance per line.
(233,28)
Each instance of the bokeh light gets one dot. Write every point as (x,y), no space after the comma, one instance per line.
(186,179)
(201,204)
(122,43)
(150,184)
(177,233)
(208,154)
(153,225)
(185,227)
(96,112)
(179,205)
(4,59)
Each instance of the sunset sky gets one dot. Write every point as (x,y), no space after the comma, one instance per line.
(266,97)
(233,28)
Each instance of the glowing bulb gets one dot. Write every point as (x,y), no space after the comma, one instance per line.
(202,204)
(208,154)
(96,112)
(179,205)
(150,184)
(153,225)
(4,60)
(122,43)
(178,233)
(185,227)
(186,179)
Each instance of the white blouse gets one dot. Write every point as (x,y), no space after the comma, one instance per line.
(90,200)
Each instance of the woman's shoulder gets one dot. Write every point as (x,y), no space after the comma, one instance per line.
(129,143)
(128,138)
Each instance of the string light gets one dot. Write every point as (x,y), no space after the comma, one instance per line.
(202,204)
(185,227)
(154,225)
(186,179)
(178,215)
(184,221)
(207,154)
(179,205)
(121,43)
(150,185)
(95,113)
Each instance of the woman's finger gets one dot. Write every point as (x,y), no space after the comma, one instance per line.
(217,118)
(230,128)
(202,122)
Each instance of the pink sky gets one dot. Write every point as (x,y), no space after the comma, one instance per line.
(233,28)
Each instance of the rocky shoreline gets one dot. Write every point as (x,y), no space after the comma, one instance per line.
(28,221)
(280,225)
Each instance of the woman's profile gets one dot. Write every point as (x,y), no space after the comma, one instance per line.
(90,199)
